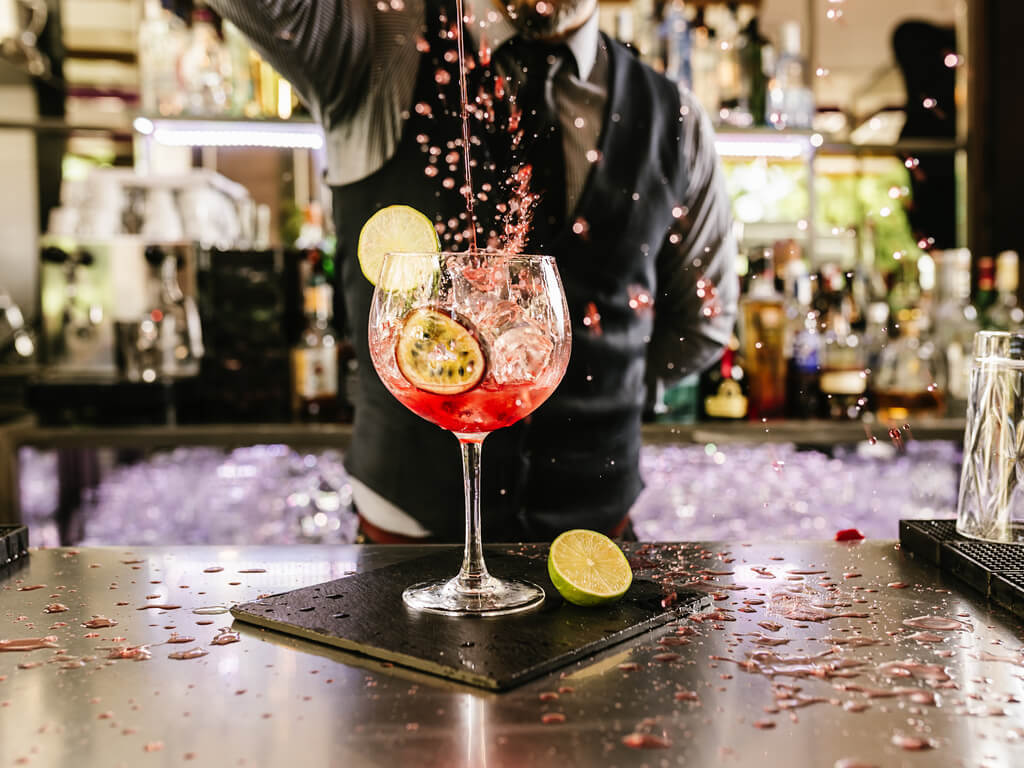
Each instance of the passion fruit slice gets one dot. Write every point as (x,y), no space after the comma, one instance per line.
(438,354)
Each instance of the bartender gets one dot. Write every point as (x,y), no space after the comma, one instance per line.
(634,208)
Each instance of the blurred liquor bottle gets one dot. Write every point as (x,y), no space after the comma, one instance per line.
(909,381)
(732,106)
(802,345)
(955,321)
(315,359)
(790,98)
(724,387)
(704,55)
(843,381)
(1004,313)
(762,332)
(986,296)
(678,44)
(754,83)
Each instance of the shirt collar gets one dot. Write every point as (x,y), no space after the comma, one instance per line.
(493,29)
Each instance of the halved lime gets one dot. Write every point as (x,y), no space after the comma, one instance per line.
(396,228)
(587,568)
(438,354)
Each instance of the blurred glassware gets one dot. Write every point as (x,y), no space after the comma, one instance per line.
(21,24)
(205,67)
(162,220)
(274,495)
(17,341)
(991,500)
(162,37)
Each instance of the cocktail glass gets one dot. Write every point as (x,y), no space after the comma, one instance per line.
(472,342)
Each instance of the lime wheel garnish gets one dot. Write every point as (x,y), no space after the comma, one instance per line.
(401,229)
(438,354)
(588,569)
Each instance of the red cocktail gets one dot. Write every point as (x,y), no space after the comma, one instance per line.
(472,342)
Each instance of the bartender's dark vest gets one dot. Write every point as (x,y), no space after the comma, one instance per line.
(575,461)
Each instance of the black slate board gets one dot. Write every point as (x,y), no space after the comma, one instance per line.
(995,570)
(364,613)
(13,547)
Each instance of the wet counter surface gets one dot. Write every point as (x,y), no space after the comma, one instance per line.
(865,658)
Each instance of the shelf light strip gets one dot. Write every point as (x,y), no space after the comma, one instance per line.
(787,149)
(215,134)
(199,133)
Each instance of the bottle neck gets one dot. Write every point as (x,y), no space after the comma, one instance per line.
(954,279)
(1007,274)
(317,300)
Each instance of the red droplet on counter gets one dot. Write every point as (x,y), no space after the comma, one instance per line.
(910,743)
(193,653)
(849,534)
(552,718)
(938,623)
(645,741)
(225,637)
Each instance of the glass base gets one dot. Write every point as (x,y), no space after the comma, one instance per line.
(997,534)
(495,597)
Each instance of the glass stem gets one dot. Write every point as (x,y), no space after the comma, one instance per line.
(473,575)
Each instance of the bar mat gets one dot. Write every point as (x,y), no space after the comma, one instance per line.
(995,570)
(364,613)
(13,547)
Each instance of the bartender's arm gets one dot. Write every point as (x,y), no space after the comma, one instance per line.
(695,306)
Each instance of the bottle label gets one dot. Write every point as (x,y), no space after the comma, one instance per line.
(316,372)
(852,382)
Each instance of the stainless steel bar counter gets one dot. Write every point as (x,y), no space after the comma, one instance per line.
(815,654)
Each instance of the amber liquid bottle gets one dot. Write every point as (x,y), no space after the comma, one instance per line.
(315,360)
(763,331)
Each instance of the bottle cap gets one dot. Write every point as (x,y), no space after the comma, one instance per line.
(789,37)
(1007,271)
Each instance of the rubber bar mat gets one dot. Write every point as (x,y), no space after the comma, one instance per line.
(995,570)
(364,613)
(13,547)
